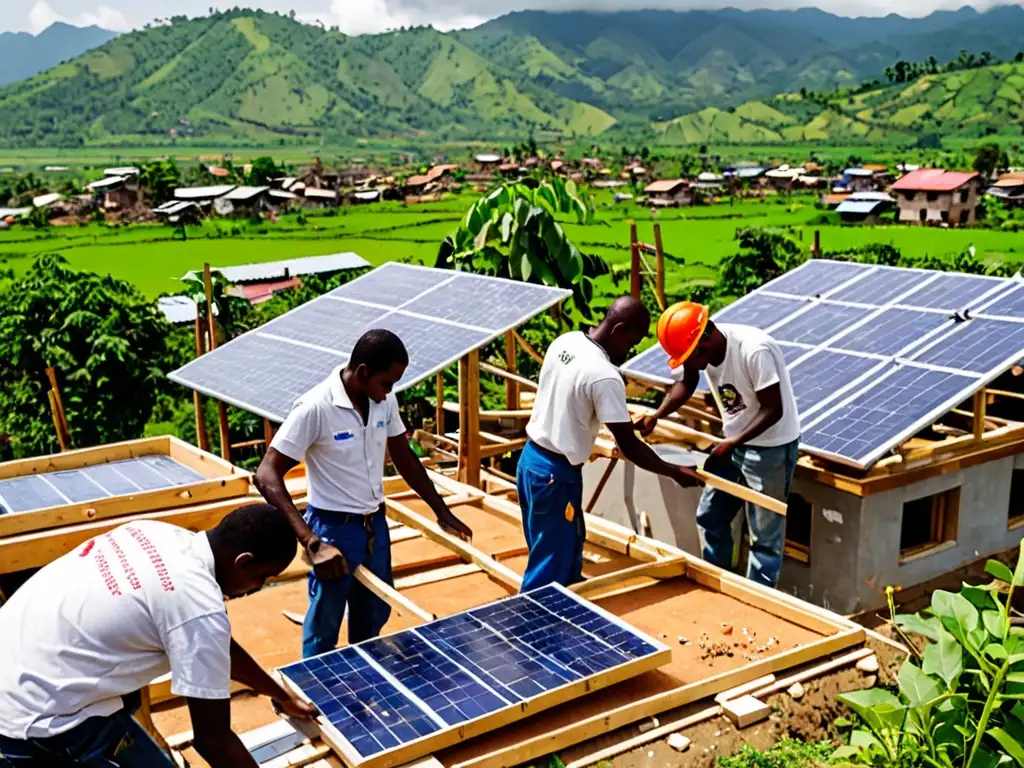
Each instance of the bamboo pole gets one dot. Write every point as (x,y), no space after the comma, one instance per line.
(197,399)
(634,262)
(222,411)
(51,374)
(659,267)
(56,420)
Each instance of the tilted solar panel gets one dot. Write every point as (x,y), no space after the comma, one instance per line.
(392,699)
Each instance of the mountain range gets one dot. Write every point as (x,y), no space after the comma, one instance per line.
(259,78)
(23,55)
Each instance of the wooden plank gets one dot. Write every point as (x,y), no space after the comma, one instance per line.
(468,552)
(197,399)
(390,595)
(601,484)
(745,689)
(205,463)
(659,569)
(659,268)
(499,449)
(511,385)
(435,575)
(58,427)
(510,376)
(980,404)
(469,418)
(558,739)
(527,348)
(85,457)
(809,674)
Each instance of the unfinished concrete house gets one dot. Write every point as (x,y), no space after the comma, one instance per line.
(934,196)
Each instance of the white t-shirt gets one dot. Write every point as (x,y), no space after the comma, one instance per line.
(344,457)
(107,619)
(579,391)
(753,362)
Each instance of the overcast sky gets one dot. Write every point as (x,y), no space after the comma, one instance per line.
(363,16)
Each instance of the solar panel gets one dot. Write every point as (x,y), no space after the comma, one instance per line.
(441,316)
(842,323)
(117,478)
(394,698)
(885,412)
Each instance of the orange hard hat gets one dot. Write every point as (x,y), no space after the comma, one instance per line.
(680,328)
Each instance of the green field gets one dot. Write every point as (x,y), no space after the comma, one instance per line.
(695,239)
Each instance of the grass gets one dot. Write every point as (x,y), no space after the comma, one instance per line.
(695,239)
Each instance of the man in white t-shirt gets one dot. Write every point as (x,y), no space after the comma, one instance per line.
(91,629)
(580,389)
(342,428)
(750,383)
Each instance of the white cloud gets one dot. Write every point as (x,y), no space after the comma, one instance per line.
(43,15)
(367,17)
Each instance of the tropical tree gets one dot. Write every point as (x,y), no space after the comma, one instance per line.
(103,337)
(161,178)
(263,170)
(514,231)
(990,158)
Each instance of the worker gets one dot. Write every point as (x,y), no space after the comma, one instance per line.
(89,631)
(341,428)
(749,380)
(580,389)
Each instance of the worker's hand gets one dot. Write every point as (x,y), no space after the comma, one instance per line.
(451,524)
(327,561)
(293,706)
(645,425)
(688,478)
(724,449)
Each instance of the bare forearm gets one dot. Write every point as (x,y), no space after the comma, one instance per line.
(226,751)
(246,670)
(638,452)
(274,491)
(676,398)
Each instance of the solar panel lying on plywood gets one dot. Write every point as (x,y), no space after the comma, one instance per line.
(393,699)
(440,315)
(875,353)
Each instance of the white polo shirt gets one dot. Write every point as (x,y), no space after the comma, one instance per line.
(344,457)
(579,390)
(107,619)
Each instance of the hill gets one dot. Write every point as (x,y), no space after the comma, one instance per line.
(23,55)
(970,103)
(259,78)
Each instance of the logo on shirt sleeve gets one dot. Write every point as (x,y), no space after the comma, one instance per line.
(344,435)
(732,401)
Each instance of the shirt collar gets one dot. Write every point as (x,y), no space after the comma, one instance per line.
(339,395)
(202,549)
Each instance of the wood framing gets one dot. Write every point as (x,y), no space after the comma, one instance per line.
(390,595)
(222,481)
(469,418)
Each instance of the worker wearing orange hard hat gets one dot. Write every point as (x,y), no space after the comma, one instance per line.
(746,372)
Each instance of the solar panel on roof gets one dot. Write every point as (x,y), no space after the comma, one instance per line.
(975,345)
(891,331)
(821,376)
(815,278)
(397,697)
(951,292)
(760,310)
(1009,304)
(819,323)
(881,287)
(117,478)
(440,315)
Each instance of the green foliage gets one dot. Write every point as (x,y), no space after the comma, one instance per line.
(787,753)
(514,231)
(106,342)
(960,702)
(764,255)
(989,158)
(38,218)
(161,178)
(263,171)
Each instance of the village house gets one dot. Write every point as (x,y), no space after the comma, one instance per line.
(865,207)
(314,197)
(935,196)
(119,188)
(669,193)
(487,163)
(1009,188)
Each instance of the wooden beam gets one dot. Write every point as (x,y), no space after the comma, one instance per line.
(439,410)
(659,569)
(197,399)
(980,403)
(511,385)
(268,432)
(499,449)
(606,475)
(659,268)
(527,348)
(58,427)
(468,552)
(634,262)
(222,411)
(469,421)
(51,374)
(510,376)
(390,595)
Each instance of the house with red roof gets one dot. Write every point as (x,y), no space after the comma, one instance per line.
(935,196)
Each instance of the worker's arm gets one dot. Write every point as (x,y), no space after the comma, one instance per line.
(676,398)
(247,671)
(637,451)
(327,561)
(769,413)
(412,471)
(213,738)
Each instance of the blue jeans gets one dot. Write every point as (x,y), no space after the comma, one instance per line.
(551,497)
(327,599)
(115,741)
(770,471)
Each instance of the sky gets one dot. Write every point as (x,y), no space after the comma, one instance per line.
(356,17)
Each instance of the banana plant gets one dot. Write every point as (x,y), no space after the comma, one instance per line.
(515,231)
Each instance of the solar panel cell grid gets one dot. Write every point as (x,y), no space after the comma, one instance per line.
(951,292)
(1009,304)
(816,278)
(430,344)
(392,285)
(459,301)
(823,374)
(818,324)
(760,310)
(974,346)
(326,323)
(891,331)
(881,287)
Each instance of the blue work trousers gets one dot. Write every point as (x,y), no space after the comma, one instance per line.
(768,470)
(363,541)
(551,497)
(115,741)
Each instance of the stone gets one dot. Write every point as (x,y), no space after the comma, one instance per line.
(868,665)
(796,690)
(678,742)
(746,710)
(726,629)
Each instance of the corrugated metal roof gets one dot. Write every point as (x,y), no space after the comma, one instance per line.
(488,158)
(127,170)
(283,194)
(368,195)
(245,193)
(275,270)
(15,213)
(664,185)
(933,180)
(177,309)
(107,181)
(172,207)
(418,181)
(860,206)
(44,200)
(203,193)
(321,194)
(876,197)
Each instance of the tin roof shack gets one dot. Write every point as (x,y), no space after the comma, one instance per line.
(440,178)
(314,197)
(784,178)
(202,197)
(669,193)
(119,188)
(865,208)
(935,196)
(862,180)
(487,163)
(179,211)
(242,201)
(1009,188)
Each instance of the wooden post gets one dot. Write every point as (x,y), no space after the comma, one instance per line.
(197,399)
(634,262)
(268,432)
(439,416)
(511,386)
(51,374)
(601,484)
(816,248)
(222,411)
(659,267)
(469,419)
(980,404)
(56,420)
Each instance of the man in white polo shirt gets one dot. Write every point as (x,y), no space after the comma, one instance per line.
(342,428)
(91,629)
(580,389)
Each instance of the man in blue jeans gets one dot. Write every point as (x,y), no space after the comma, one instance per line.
(749,380)
(341,428)
(580,389)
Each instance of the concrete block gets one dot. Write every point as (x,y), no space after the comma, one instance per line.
(746,710)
